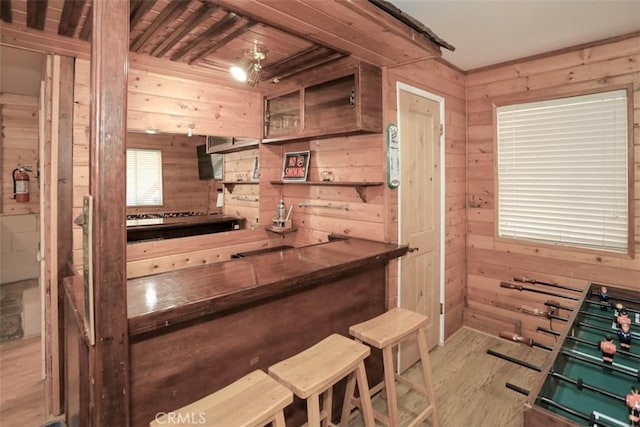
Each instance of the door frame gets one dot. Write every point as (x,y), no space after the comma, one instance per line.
(440,100)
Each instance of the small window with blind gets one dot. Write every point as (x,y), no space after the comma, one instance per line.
(144,177)
(563,171)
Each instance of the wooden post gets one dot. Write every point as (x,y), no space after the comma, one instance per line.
(109,69)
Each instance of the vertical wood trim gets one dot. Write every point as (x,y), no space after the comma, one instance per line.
(109,73)
(53,239)
(64,188)
(45,172)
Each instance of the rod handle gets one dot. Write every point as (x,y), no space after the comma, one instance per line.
(516,338)
(525,279)
(510,286)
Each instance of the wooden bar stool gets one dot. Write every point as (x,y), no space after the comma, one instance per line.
(254,400)
(384,332)
(314,372)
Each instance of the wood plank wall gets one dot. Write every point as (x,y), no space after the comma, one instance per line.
(440,79)
(172,105)
(244,199)
(593,68)
(182,189)
(18,146)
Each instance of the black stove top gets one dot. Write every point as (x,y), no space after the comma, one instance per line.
(164,215)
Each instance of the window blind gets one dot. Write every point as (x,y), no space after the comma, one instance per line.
(144,177)
(562,171)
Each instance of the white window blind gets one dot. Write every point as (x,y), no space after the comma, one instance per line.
(562,171)
(144,177)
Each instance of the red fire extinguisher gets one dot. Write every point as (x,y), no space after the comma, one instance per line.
(21,184)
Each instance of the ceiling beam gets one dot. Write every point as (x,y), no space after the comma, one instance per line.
(205,11)
(85,33)
(5,11)
(215,29)
(36,14)
(141,9)
(224,41)
(71,14)
(168,15)
(301,61)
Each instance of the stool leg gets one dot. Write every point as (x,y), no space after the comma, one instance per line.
(365,398)
(390,385)
(278,421)
(327,406)
(348,395)
(423,348)
(313,410)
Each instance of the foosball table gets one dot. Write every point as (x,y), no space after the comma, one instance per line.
(592,374)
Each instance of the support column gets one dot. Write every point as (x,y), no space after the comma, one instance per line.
(109,72)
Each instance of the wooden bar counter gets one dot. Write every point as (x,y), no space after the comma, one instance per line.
(195,330)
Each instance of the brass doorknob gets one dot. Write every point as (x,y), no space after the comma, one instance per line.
(413,249)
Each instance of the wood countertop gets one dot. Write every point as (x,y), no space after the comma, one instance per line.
(166,299)
(186,221)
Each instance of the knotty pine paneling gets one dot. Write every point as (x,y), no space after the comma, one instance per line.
(490,260)
(244,200)
(18,147)
(170,105)
(438,78)
(182,189)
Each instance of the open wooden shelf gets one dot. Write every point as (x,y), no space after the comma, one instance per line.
(229,185)
(279,231)
(360,186)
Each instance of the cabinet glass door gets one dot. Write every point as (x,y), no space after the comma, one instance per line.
(283,115)
(330,104)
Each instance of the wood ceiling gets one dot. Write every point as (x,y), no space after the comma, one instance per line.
(211,34)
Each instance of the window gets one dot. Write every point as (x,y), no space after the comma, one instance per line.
(144,177)
(562,171)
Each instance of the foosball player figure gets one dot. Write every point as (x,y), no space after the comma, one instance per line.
(603,295)
(624,335)
(623,318)
(633,402)
(608,349)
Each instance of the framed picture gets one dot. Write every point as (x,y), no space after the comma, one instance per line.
(255,173)
(296,166)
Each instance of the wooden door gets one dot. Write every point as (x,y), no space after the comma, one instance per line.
(419,125)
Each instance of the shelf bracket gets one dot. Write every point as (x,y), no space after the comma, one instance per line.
(362,192)
(229,187)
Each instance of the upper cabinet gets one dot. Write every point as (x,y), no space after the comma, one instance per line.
(229,144)
(347,102)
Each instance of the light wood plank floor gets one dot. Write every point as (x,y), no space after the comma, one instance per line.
(22,399)
(469,383)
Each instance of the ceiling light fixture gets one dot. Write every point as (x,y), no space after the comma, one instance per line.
(249,68)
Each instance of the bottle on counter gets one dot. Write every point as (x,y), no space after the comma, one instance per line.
(281,209)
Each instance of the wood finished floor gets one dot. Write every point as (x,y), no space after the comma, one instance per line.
(22,399)
(469,383)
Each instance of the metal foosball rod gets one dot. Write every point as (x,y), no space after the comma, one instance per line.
(509,285)
(517,389)
(548,331)
(617,298)
(607,330)
(614,368)
(597,345)
(557,305)
(609,305)
(590,418)
(523,279)
(603,317)
(579,383)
